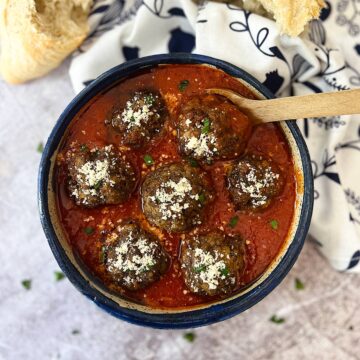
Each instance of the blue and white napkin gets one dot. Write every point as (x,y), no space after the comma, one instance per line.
(325,58)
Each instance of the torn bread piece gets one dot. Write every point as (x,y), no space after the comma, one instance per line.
(293,15)
(37,35)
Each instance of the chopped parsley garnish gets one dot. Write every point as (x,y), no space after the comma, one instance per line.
(58,275)
(102,255)
(274,224)
(75,332)
(132,119)
(224,271)
(202,198)
(277,320)
(40,147)
(149,267)
(206,126)
(148,159)
(200,268)
(88,230)
(183,85)
(299,285)
(83,148)
(97,185)
(193,163)
(149,100)
(189,336)
(26,284)
(233,221)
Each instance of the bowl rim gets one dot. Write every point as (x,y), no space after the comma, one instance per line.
(194,317)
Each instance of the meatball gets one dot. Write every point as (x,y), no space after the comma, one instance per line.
(212,263)
(141,119)
(210,128)
(99,176)
(134,258)
(174,197)
(253,182)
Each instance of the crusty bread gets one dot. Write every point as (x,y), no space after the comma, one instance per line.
(293,15)
(37,35)
(290,15)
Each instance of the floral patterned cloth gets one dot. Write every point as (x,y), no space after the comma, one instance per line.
(325,58)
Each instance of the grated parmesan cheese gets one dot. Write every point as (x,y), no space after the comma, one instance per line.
(210,267)
(171,197)
(92,175)
(137,263)
(137,118)
(254,185)
(201,147)
(94,172)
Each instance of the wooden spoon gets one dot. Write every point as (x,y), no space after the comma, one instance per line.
(295,107)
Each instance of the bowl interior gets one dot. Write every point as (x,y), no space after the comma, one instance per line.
(172,318)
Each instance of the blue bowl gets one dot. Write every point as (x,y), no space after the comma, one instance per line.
(196,316)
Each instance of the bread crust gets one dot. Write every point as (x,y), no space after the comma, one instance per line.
(37,35)
(291,15)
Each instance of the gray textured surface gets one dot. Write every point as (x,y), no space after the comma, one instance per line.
(38,324)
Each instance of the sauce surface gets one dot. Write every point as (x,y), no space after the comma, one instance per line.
(264,231)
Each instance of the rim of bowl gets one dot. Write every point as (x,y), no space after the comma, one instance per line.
(194,317)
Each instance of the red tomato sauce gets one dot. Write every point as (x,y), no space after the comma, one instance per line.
(263,241)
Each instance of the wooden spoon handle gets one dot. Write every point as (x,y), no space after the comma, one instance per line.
(297,107)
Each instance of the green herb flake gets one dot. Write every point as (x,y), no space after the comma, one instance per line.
(40,147)
(102,255)
(149,267)
(299,285)
(132,119)
(26,284)
(206,126)
(89,230)
(199,269)
(224,271)
(193,163)
(189,336)
(274,224)
(97,185)
(58,275)
(183,85)
(202,198)
(149,100)
(277,320)
(148,159)
(75,332)
(233,221)
(84,148)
